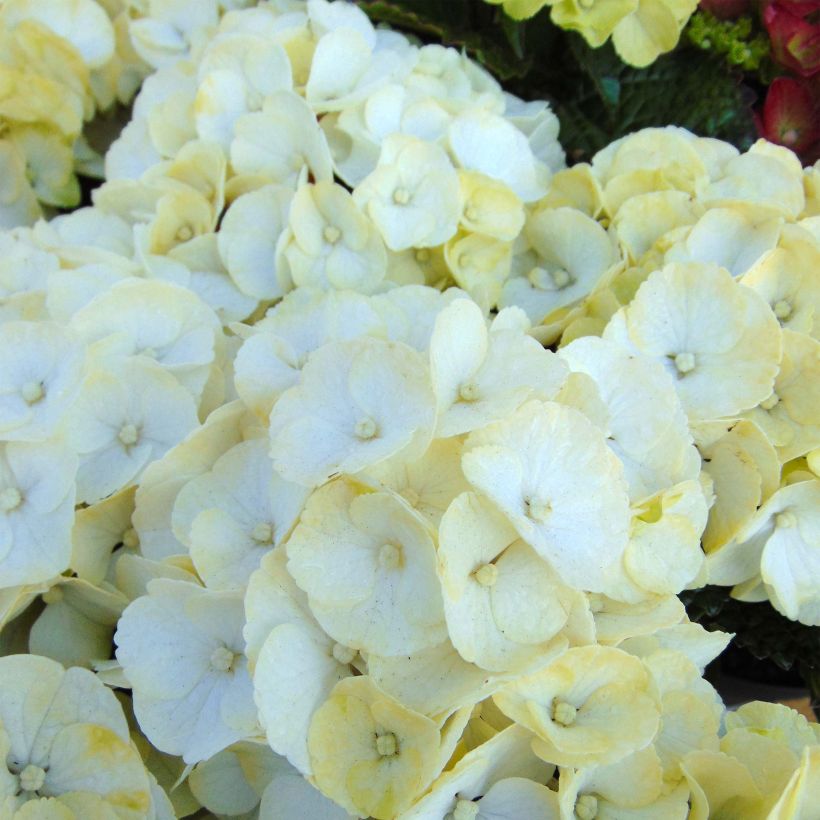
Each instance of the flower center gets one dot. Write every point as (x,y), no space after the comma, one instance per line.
(386,745)
(587,807)
(538,510)
(685,363)
(10,499)
(130,539)
(422,256)
(468,392)
(465,810)
(331,234)
(343,654)
(32,778)
(185,233)
(471,212)
(128,435)
(782,309)
(486,574)
(365,429)
(785,520)
(401,196)
(32,392)
(563,712)
(540,278)
(561,278)
(389,556)
(262,533)
(222,659)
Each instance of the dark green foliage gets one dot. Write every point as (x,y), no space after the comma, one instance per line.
(761,631)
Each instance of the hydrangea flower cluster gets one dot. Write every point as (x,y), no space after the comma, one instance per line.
(60,63)
(278,422)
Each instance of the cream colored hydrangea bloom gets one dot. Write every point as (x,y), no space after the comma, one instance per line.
(570,253)
(330,242)
(232,515)
(37,495)
(790,417)
(42,366)
(505,607)
(181,649)
(645,424)
(295,663)
(718,340)
(550,472)
(429,483)
(64,739)
(480,376)
(358,403)
(369,753)
(157,320)
(593,705)
(276,348)
(631,788)
(480,775)
(379,592)
(784,536)
(413,194)
(122,421)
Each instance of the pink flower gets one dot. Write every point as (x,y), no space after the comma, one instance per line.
(791,115)
(795,34)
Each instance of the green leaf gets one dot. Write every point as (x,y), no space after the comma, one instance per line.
(759,629)
(686,88)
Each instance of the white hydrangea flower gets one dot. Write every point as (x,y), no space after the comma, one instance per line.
(379,592)
(82,23)
(37,490)
(248,237)
(570,253)
(551,473)
(645,423)
(485,142)
(156,320)
(505,607)
(480,776)
(296,663)
(280,141)
(237,72)
(121,422)
(593,705)
(719,340)
(235,513)
(427,484)
(413,194)
(481,376)
(358,403)
(41,368)
(181,649)
(66,747)
(163,479)
(270,360)
(330,243)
